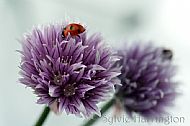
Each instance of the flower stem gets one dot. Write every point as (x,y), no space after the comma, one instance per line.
(43,116)
(104,109)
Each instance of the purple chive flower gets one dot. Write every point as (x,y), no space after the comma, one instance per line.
(147,79)
(72,73)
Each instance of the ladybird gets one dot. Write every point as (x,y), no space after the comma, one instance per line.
(167,54)
(73,29)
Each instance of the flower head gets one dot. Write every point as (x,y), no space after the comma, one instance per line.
(71,73)
(147,79)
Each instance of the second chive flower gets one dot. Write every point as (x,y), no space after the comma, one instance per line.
(147,79)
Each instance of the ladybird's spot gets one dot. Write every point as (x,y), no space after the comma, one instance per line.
(72,28)
(79,31)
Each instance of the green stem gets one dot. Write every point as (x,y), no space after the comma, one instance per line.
(43,116)
(104,109)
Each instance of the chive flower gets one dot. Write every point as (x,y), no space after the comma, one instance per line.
(71,73)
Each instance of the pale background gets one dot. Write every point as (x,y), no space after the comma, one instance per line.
(166,22)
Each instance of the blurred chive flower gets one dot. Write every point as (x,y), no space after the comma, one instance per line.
(147,79)
(71,74)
